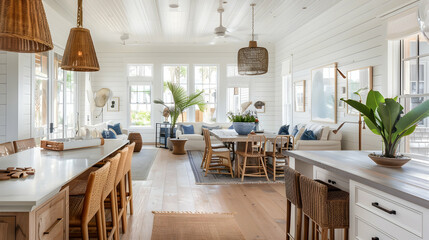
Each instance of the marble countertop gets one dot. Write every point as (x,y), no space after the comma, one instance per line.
(411,182)
(53,170)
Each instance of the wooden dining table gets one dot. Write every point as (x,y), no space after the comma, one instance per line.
(238,142)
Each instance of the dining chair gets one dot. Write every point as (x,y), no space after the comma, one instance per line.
(279,160)
(223,163)
(213,146)
(25,144)
(6,149)
(128,178)
(84,208)
(254,149)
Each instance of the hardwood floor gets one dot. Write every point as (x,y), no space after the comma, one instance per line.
(260,209)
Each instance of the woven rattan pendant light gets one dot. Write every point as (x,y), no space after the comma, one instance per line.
(79,54)
(253,60)
(24,27)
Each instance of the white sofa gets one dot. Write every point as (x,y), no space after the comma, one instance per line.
(326,139)
(196,140)
(96,130)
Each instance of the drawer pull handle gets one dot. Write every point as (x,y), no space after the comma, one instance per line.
(375,238)
(53,226)
(332,182)
(375,204)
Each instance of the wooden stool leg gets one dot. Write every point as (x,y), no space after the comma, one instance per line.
(124,206)
(99,225)
(332,234)
(103,220)
(298,221)
(313,230)
(208,160)
(346,234)
(204,157)
(274,168)
(324,233)
(130,189)
(85,231)
(306,226)
(114,203)
(288,216)
(265,169)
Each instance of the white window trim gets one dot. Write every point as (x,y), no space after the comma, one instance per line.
(139,81)
(217,85)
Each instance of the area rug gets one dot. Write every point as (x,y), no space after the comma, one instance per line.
(195,159)
(142,163)
(195,226)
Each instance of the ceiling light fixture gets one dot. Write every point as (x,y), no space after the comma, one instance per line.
(253,60)
(80,55)
(24,27)
(174,4)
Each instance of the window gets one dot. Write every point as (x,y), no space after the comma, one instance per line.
(206,80)
(41,94)
(140,70)
(232,70)
(415,88)
(176,74)
(140,104)
(235,97)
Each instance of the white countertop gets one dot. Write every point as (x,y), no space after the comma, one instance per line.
(53,170)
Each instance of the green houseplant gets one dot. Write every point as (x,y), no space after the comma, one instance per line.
(384,117)
(182,101)
(243,123)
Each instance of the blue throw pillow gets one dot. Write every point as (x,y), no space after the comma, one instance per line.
(108,134)
(295,131)
(308,135)
(284,130)
(116,128)
(188,129)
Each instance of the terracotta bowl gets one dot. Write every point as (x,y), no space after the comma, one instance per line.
(389,162)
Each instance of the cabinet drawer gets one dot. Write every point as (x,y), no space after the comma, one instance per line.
(52,218)
(331,178)
(403,214)
(365,231)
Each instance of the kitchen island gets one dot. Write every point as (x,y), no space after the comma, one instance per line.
(36,207)
(385,203)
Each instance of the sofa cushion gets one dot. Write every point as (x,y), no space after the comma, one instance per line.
(211,127)
(315,128)
(188,129)
(116,127)
(300,132)
(308,135)
(193,137)
(109,134)
(284,130)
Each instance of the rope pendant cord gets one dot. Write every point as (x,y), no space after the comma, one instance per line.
(253,21)
(79,14)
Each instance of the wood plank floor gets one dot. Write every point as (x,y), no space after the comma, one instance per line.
(260,209)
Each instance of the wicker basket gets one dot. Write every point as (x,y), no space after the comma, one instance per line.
(136,138)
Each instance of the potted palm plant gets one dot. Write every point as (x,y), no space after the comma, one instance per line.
(384,117)
(182,101)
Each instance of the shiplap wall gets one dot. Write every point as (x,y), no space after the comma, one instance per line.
(351,33)
(113,74)
(3,95)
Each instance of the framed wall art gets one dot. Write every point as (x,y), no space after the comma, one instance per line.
(299,96)
(113,104)
(358,80)
(324,94)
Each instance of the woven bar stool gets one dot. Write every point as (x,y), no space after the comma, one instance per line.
(293,196)
(128,178)
(6,149)
(328,210)
(25,144)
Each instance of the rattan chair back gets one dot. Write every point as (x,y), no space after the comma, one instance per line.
(6,149)
(110,182)
(25,144)
(314,196)
(120,172)
(207,140)
(255,145)
(94,191)
(293,193)
(129,158)
(283,143)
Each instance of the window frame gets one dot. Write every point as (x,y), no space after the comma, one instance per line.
(138,83)
(194,83)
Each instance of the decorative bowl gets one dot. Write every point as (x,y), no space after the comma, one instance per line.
(389,162)
(243,128)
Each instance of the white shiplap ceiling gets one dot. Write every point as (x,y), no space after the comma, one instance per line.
(153,22)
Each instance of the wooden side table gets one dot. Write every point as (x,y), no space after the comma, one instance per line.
(178,146)
(137,138)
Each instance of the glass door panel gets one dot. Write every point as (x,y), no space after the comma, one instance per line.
(41,95)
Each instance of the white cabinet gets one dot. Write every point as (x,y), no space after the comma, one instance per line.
(385,216)
(331,178)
